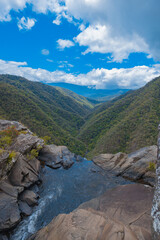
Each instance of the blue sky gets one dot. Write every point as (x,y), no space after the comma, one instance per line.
(80,42)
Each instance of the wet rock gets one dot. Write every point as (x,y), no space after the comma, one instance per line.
(122,213)
(79,158)
(29,197)
(134,166)
(56,156)
(25,209)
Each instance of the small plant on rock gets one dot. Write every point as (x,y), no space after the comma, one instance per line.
(152,166)
(11,156)
(33,154)
(46,139)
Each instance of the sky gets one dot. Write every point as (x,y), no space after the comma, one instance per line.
(106,44)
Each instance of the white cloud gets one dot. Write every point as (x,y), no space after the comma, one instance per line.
(38,6)
(131,78)
(57,21)
(26,23)
(62,44)
(126,19)
(7,5)
(100,39)
(49,60)
(45,52)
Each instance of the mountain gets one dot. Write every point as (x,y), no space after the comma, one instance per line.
(91,92)
(44,109)
(124,124)
(85,102)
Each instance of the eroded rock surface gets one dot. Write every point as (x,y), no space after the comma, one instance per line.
(135,166)
(122,213)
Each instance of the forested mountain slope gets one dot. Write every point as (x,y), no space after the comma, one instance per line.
(126,123)
(43,109)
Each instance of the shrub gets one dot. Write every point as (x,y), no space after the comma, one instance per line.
(5,141)
(33,154)
(152,166)
(11,156)
(23,132)
(46,139)
(10,132)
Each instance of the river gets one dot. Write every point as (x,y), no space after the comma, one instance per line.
(62,191)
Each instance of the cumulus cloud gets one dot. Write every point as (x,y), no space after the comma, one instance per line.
(62,44)
(45,52)
(26,23)
(7,6)
(126,19)
(38,6)
(131,78)
(100,39)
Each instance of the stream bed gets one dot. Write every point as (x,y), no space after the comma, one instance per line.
(62,191)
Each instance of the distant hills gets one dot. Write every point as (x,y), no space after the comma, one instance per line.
(125,124)
(101,95)
(44,109)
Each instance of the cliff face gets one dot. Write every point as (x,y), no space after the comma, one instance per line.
(19,170)
(21,155)
(156,200)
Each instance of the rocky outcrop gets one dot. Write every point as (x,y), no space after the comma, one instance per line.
(137,166)
(122,213)
(19,170)
(56,156)
(156,200)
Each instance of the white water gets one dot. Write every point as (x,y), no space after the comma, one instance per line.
(28,226)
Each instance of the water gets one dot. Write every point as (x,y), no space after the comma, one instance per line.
(64,190)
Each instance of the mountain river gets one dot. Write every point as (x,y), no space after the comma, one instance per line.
(62,191)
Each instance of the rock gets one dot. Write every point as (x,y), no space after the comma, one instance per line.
(25,209)
(16,174)
(4,164)
(5,124)
(9,211)
(122,213)
(25,142)
(29,197)
(134,166)
(25,172)
(56,156)
(79,158)
(3,237)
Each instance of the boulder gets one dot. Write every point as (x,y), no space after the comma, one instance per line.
(122,213)
(24,172)
(134,166)
(25,209)
(29,197)
(3,237)
(56,156)
(9,211)
(25,142)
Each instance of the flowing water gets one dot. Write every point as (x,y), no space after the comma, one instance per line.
(64,190)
